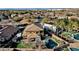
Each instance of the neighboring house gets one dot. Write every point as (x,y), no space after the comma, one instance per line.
(13,15)
(21,15)
(73,17)
(47,25)
(7,32)
(37,20)
(51,27)
(62,17)
(26,21)
(7,22)
(32,31)
(3,16)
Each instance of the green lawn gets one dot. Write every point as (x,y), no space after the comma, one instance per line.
(24,45)
(66,34)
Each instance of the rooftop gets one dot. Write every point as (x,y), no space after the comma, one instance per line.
(7,31)
(34,27)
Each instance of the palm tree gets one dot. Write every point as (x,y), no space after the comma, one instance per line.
(73,25)
(45,20)
(60,23)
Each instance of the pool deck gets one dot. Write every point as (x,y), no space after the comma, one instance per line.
(71,45)
(55,36)
(74,45)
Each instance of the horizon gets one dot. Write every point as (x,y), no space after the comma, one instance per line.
(31,8)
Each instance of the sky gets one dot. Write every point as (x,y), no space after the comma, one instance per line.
(38,3)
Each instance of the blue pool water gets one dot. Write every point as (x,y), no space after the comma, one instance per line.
(51,44)
(74,49)
(76,36)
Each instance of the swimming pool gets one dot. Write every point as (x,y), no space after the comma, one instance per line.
(76,36)
(74,49)
(51,44)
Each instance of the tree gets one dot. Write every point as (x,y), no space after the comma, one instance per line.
(73,25)
(60,23)
(45,20)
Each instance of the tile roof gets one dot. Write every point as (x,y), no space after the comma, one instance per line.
(24,21)
(32,35)
(34,27)
(8,31)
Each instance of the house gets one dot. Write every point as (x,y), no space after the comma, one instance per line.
(13,15)
(26,21)
(73,17)
(3,17)
(32,31)
(7,32)
(7,22)
(51,27)
(37,20)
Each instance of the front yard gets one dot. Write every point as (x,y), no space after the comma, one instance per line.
(24,45)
